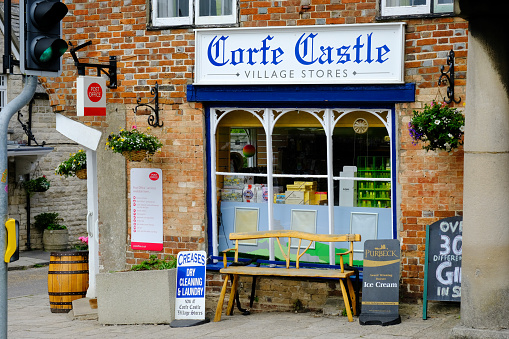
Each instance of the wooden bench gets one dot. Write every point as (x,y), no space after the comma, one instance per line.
(289,271)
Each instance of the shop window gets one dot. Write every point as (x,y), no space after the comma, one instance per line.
(185,12)
(415,7)
(280,169)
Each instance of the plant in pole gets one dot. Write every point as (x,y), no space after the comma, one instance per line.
(75,162)
(133,141)
(438,126)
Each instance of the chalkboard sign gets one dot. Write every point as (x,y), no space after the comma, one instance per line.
(442,271)
(380,283)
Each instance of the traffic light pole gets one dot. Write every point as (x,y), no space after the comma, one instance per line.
(7,112)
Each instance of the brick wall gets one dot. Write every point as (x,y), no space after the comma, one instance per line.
(429,184)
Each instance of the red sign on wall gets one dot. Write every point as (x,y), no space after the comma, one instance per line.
(91,96)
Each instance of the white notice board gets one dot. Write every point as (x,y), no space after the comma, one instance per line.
(146,209)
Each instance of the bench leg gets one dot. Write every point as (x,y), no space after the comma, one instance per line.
(219,308)
(346,300)
(352,295)
(229,310)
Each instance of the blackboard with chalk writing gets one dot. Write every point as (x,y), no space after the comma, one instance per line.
(442,272)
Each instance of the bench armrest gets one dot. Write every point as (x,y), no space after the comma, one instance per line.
(224,256)
(341,262)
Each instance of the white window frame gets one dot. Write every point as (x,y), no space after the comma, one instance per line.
(443,8)
(416,10)
(193,16)
(169,21)
(268,120)
(216,20)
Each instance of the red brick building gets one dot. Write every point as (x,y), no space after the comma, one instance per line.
(152,44)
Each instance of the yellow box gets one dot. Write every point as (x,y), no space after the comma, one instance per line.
(309,198)
(320,196)
(295,188)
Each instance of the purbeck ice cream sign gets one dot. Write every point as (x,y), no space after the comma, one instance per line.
(339,54)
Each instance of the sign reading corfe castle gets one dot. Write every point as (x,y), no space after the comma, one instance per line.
(339,54)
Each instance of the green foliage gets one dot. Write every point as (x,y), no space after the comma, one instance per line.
(48,221)
(156,264)
(438,126)
(75,162)
(40,184)
(133,140)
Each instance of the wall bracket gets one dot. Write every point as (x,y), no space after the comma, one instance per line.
(449,78)
(153,119)
(111,68)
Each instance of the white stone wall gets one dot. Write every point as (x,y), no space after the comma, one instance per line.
(66,196)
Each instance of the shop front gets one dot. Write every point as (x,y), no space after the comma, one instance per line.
(301,132)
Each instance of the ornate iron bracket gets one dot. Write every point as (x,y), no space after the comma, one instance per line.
(449,78)
(112,67)
(153,120)
(28,131)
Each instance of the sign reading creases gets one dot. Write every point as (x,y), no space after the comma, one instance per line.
(339,54)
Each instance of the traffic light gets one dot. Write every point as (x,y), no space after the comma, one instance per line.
(41,37)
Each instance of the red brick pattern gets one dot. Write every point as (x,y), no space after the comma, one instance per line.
(430,184)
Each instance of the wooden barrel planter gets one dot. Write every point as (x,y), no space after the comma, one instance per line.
(67,279)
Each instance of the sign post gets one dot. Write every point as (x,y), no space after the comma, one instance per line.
(442,270)
(380,286)
(190,298)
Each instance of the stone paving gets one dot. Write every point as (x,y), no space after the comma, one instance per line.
(30,317)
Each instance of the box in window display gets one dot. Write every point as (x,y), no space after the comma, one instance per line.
(231,195)
(294,197)
(262,193)
(233,182)
(249,193)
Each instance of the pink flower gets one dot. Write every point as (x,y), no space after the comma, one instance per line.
(134,126)
(84,240)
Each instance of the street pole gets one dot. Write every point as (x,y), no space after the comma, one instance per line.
(7,112)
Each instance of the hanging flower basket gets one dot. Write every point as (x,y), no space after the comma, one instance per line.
(76,162)
(438,126)
(134,145)
(81,173)
(40,184)
(135,156)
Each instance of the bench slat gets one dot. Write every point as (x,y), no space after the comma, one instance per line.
(295,234)
(286,272)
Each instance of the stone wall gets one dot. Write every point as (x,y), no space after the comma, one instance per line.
(66,196)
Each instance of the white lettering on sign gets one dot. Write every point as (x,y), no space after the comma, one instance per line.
(190,289)
(95,92)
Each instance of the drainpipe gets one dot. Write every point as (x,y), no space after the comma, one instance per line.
(28,205)
(9,110)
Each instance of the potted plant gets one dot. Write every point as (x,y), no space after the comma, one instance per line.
(134,145)
(55,236)
(40,184)
(144,305)
(438,126)
(83,245)
(75,165)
